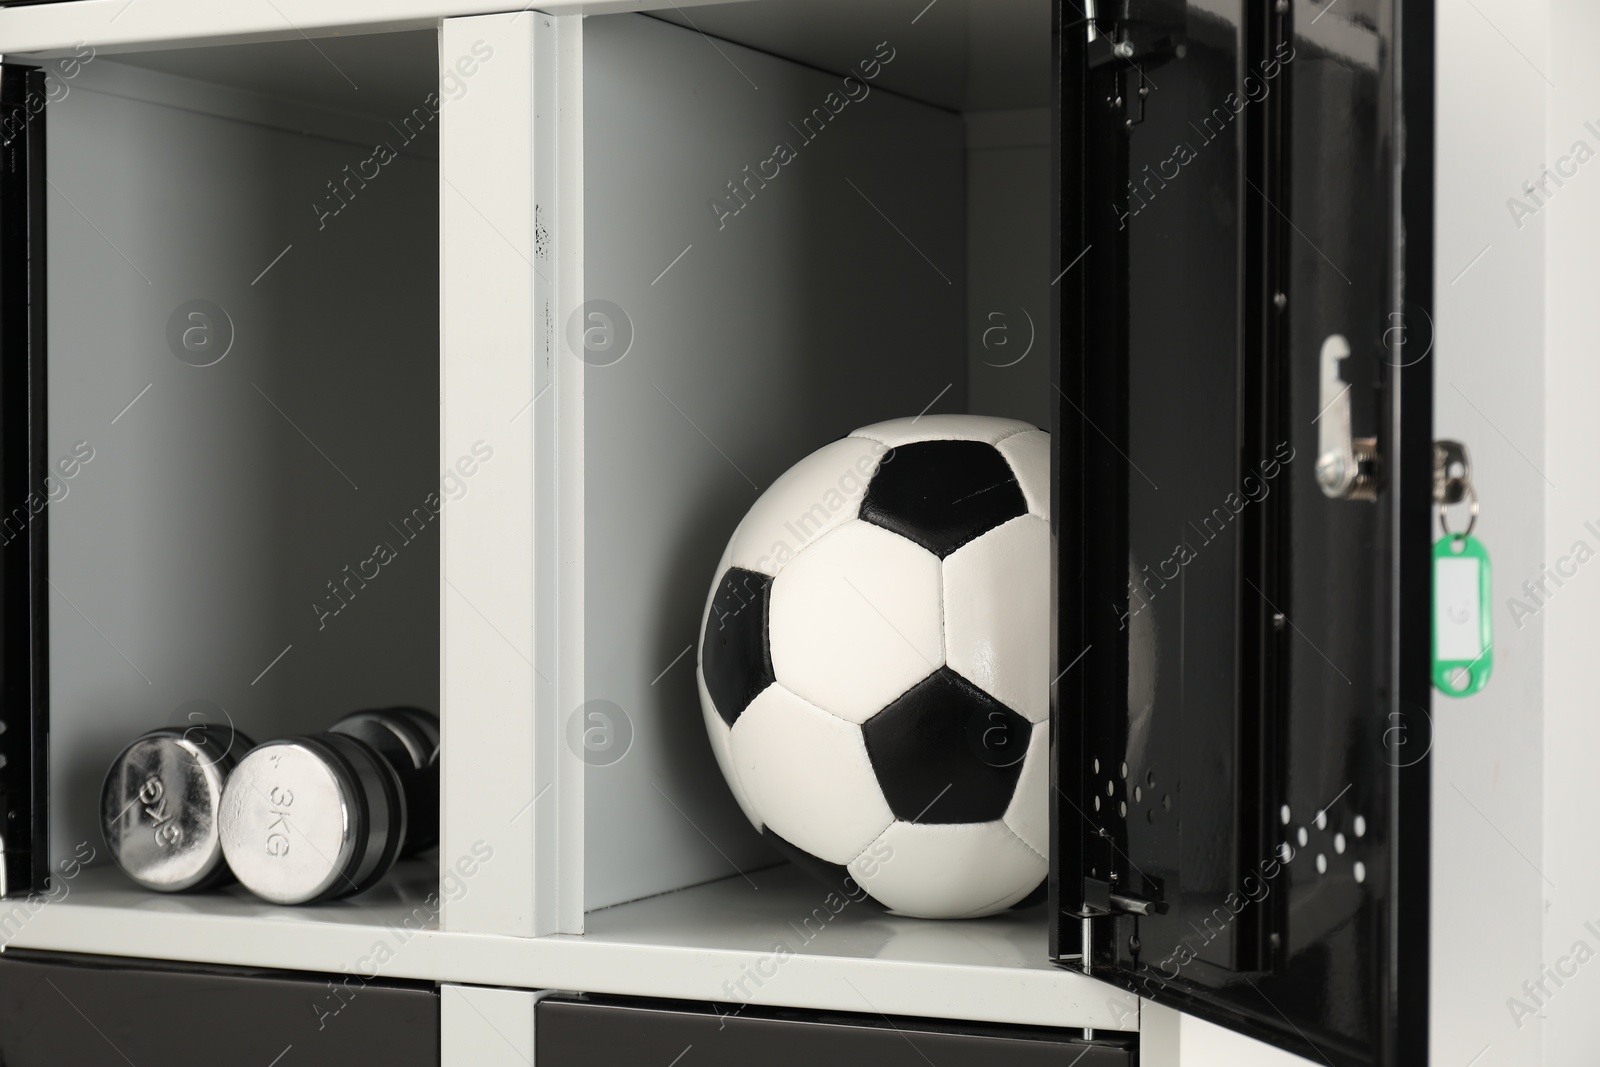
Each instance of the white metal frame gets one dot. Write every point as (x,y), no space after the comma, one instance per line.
(511,604)
(511,248)
(122,25)
(488,679)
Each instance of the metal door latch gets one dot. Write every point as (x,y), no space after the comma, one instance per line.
(1347,467)
(1452,472)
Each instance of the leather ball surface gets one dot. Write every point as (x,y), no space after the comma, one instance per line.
(874,664)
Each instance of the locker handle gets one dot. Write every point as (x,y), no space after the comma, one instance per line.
(1347,466)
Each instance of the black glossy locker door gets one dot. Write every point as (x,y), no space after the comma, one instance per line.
(88,1011)
(1242,814)
(585,1031)
(24,493)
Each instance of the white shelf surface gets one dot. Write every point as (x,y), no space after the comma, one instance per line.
(695,944)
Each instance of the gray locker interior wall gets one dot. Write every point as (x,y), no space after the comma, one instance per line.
(190,555)
(834,297)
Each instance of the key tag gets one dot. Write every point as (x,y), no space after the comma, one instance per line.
(1463,636)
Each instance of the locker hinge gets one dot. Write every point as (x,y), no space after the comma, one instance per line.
(1101,898)
(1135,31)
(1136,905)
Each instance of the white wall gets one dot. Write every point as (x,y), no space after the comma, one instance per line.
(1570,1025)
(1488,754)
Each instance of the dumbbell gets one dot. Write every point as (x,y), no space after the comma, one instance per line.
(158,806)
(409,739)
(318,817)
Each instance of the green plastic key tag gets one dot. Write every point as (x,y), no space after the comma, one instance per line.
(1463,634)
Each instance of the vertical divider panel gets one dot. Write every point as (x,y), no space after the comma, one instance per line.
(511,213)
(487,1027)
(487,674)
(562,716)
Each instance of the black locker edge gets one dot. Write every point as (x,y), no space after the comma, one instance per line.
(24,539)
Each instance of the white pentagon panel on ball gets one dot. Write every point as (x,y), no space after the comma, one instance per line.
(997,614)
(950,870)
(816,495)
(856,620)
(721,738)
(1029,456)
(985,428)
(807,776)
(1028,814)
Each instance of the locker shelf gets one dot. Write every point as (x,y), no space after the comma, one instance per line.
(694,944)
(698,943)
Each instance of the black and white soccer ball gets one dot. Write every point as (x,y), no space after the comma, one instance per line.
(874,664)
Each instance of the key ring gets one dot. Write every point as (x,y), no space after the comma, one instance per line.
(1472,520)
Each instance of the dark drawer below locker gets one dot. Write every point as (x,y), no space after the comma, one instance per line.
(582,1031)
(89,1011)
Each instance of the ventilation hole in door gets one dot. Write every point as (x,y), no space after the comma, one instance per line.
(1322,820)
(1322,863)
(1302,837)
(1096,803)
(1283,814)
(1285,852)
(1360,871)
(1124,770)
(1360,826)
(1166,802)
(1097,765)
(1138,794)
(1122,809)
(1111,788)
(1150,814)
(1338,843)
(1150,779)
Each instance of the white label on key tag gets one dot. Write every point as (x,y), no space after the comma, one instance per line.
(1457,625)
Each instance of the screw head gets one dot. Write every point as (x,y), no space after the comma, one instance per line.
(1330,470)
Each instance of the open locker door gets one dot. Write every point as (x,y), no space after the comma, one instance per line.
(24,493)
(1244,419)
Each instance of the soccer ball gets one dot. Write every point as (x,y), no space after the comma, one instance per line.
(874,668)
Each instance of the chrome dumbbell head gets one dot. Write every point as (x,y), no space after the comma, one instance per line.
(307,819)
(409,739)
(159,806)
